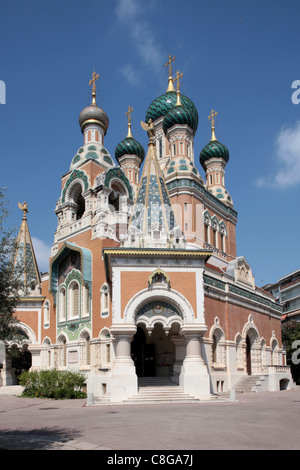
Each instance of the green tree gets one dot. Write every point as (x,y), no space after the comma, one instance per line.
(10,279)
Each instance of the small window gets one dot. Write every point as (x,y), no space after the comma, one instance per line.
(47,313)
(104,301)
(62,304)
(160,148)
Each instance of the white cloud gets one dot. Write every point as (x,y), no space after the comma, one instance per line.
(42,253)
(288,159)
(130,74)
(128,12)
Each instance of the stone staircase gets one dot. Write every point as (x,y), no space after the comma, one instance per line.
(155,390)
(159,390)
(249,383)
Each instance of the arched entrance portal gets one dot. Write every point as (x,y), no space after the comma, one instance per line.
(154,355)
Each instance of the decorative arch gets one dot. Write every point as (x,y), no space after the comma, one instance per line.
(76,177)
(206,218)
(117,174)
(28,332)
(172,297)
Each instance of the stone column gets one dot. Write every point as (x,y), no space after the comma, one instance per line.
(194,377)
(180,347)
(124,382)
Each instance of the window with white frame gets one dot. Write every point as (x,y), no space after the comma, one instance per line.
(85,301)
(46,313)
(104,300)
(73,300)
(62,304)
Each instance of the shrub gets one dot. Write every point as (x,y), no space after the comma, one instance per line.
(53,384)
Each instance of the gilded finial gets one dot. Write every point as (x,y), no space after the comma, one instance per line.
(211,117)
(170,80)
(178,76)
(149,128)
(92,82)
(24,209)
(128,114)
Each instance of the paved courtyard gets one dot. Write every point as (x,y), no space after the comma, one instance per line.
(267,420)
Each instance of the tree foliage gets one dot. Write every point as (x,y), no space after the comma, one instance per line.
(291,342)
(10,280)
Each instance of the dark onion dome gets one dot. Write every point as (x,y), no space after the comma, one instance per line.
(164,103)
(180,115)
(93,114)
(129,146)
(214,149)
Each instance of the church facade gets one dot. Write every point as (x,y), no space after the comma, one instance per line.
(144,279)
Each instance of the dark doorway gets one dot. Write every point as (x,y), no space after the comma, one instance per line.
(143,355)
(248,355)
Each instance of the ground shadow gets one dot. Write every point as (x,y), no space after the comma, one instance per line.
(35,439)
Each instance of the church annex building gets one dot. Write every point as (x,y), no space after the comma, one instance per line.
(144,283)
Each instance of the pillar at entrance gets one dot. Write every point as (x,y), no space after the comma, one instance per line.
(124,382)
(194,378)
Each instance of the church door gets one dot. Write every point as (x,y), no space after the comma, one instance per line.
(143,355)
(248,355)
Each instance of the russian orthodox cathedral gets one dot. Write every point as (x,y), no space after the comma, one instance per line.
(144,283)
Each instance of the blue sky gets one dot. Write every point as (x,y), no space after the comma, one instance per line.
(238,57)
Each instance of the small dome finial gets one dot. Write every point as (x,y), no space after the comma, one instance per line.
(92,82)
(24,208)
(178,76)
(170,79)
(211,117)
(128,114)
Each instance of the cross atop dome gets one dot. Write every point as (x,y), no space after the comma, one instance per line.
(92,82)
(211,118)
(177,78)
(170,79)
(128,114)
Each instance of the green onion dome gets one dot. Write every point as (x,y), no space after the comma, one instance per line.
(214,149)
(129,146)
(180,115)
(164,103)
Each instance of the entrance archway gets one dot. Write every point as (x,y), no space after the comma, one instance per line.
(154,355)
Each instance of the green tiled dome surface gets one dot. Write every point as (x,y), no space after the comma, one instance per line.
(129,146)
(180,115)
(164,103)
(214,149)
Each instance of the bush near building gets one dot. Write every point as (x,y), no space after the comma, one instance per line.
(53,384)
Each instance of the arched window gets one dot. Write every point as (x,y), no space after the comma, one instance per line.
(73,309)
(62,304)
(47,313)
(218,351)
(85,354)
(78,201)
(104,300)
(85,301)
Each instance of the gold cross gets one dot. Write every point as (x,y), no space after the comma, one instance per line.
(169,63)
(93,81)
(213,113)
(130,109)
(178,76)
